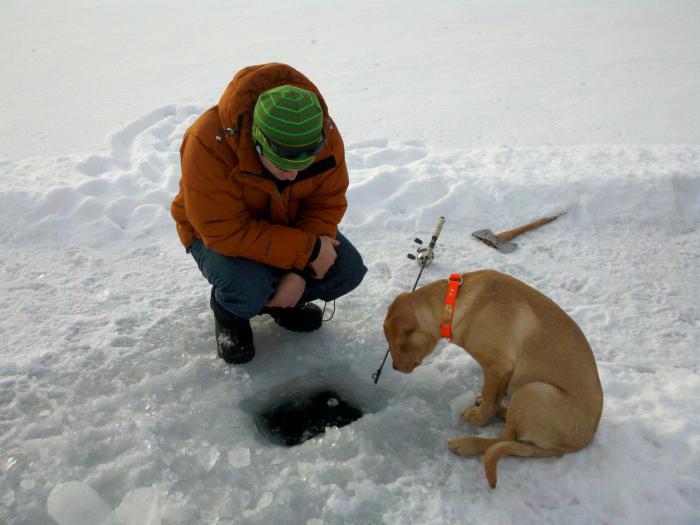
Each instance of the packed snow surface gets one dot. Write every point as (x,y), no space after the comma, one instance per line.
(114,408)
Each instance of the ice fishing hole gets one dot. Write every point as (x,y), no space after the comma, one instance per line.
(301,409)
(295,421)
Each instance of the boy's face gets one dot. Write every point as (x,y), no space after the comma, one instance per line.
(278,173)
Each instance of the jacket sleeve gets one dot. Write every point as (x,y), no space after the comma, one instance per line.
(321,211)
(216,210)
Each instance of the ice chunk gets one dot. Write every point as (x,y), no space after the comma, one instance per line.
(239,457)
(207,457)
(139,507)
(28,484)
(76,503)
(8,498)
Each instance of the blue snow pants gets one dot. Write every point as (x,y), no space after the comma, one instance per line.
(243,286)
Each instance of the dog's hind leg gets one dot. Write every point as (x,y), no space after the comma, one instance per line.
(470,445)
(541,423)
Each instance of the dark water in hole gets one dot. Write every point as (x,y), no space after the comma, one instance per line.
(298,420)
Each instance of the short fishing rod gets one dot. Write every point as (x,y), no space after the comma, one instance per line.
(424,258)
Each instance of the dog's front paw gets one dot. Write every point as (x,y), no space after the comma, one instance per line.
(476,416)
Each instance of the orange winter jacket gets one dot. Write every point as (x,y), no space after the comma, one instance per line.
(226,201)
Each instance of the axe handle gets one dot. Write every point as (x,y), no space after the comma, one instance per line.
(511,234)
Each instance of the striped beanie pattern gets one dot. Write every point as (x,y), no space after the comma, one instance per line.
(291,117)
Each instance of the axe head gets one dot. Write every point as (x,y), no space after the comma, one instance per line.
(493,240)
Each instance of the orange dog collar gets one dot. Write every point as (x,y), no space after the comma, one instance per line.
(448,311)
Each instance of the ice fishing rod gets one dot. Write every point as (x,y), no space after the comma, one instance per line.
(424,257)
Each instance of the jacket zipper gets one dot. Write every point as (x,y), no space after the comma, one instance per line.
(277,191)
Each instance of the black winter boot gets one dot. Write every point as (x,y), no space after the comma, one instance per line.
(234,337)
(304,317)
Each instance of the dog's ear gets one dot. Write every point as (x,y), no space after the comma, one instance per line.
(400,321)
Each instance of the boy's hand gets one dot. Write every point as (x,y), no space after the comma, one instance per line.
(289,291)
(326,256)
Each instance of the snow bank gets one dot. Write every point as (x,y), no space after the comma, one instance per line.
(127,193)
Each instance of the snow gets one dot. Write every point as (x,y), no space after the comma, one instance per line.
(113,405)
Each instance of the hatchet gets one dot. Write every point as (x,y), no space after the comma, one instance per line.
(502,241)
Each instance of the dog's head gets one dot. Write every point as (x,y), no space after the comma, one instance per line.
(408,344)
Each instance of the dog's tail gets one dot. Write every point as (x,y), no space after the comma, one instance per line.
(511,448)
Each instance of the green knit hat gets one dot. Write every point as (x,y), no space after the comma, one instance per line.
(288,127)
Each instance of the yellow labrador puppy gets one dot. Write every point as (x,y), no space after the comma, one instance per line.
(527,347)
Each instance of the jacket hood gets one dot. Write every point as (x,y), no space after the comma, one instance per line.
(237,103)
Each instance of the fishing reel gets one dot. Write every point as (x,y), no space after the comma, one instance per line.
(424,256)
